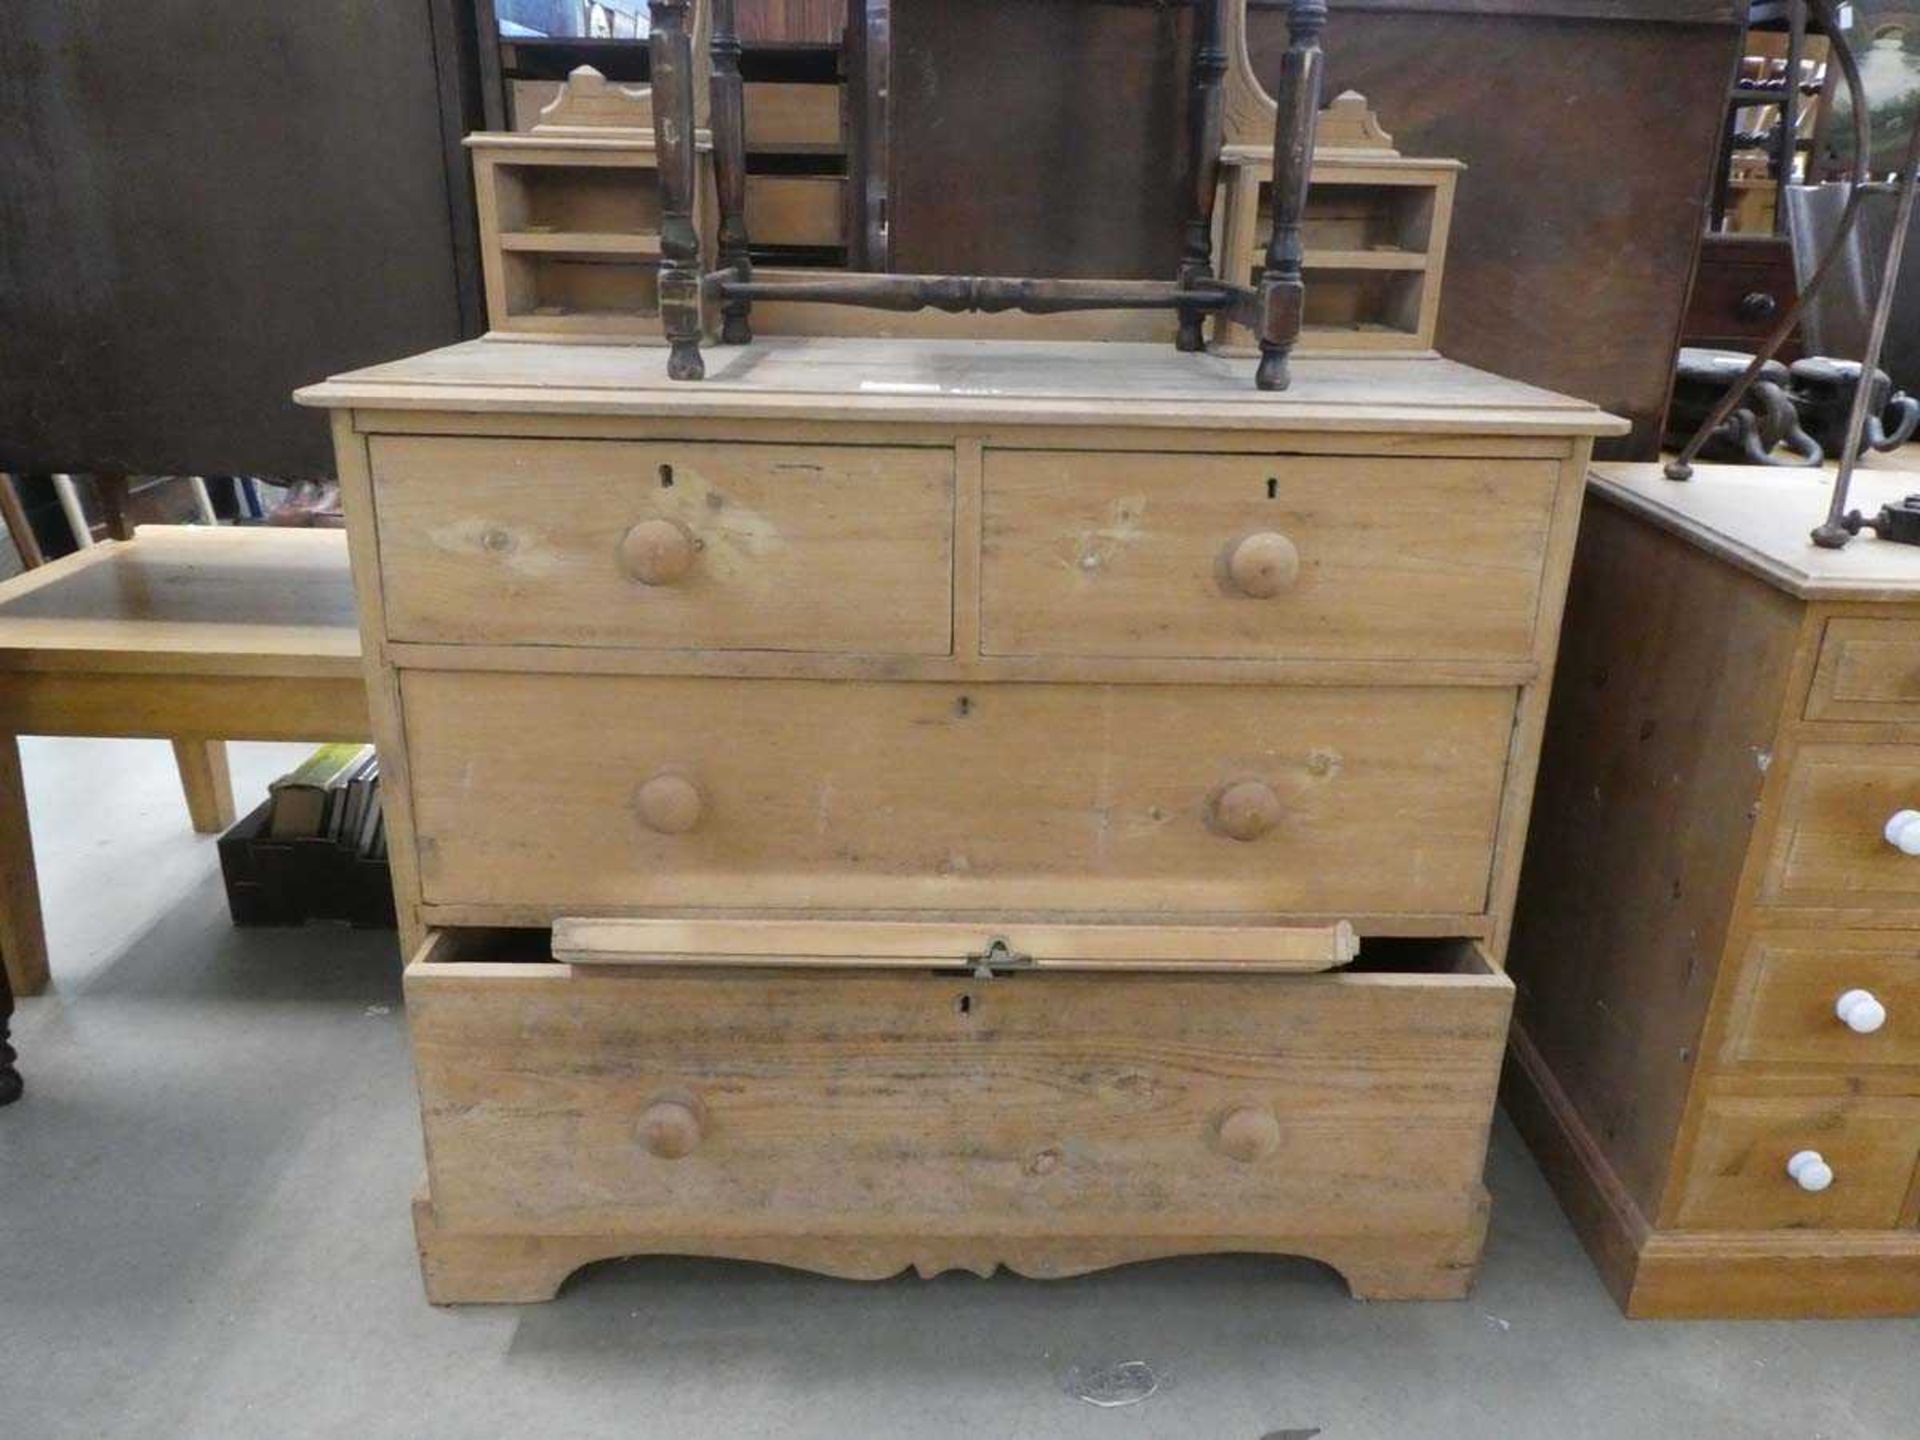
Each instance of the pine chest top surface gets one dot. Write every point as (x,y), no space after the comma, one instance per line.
(1759,519)
(966,381)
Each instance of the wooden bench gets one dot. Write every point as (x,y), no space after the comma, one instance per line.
(193,634)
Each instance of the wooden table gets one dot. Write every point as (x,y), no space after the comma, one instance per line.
(192,634)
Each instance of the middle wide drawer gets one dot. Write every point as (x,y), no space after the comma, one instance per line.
(568,793)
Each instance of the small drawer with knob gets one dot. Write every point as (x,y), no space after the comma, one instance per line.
(666,545)
(1837,1162)
(1847,999)
(1868,671)
(740,1105)
(1849,834)
(1263,557)
(574,793)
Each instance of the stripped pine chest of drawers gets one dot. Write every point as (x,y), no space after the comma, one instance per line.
(952,805)
(1716,1051)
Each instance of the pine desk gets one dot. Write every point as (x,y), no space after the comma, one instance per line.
(191,634)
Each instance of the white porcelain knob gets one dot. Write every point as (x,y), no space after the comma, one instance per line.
(1861,1010)
(1903,831)
(1810,1171)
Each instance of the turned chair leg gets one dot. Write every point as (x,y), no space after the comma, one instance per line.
(1207,110)
(730,170)
(680,277)
(1282,297)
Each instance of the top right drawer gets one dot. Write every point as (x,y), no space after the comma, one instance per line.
(1869,670)
(1263,557)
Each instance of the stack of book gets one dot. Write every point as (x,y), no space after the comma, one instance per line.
(317,849)
(334,795)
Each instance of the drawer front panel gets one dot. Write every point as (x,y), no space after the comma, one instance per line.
(1263,557)
(909,1104)
(666,545)
(573,792)
(1738,1178)
(1788,1007)
(1869,671)
(1831,848)
(1740,290)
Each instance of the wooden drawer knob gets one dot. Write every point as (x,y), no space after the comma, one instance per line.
(1860,1011)
(672,1126)
(1810,1171)
(657,552)
(1903,831)
(670,803)
(1263,565)
(1248,1133)
(1245,810)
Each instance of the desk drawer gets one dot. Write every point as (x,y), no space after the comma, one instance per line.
(1263,557)
(1831,847)
(1869,670)
(1739,1180)
(564,1100)
(575,793)
(666,545)
(1788,1010)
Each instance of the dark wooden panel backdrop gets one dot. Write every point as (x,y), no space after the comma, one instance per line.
(209,202)
(1590,127)
(791,22)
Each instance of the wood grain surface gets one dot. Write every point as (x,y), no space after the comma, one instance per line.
(1056,797)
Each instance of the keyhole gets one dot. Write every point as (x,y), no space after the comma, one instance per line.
(965,1004)
(964,705)
(1273,488)
(666,477)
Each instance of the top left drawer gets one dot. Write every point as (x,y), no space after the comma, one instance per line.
(665,545)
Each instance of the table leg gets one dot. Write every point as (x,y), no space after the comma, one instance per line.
(208,783)
(23,939)
(10,1085)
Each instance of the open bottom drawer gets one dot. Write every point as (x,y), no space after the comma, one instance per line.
(837,1119)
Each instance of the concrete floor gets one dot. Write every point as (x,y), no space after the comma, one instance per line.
(204,1232)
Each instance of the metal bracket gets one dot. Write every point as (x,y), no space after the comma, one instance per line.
(997,959)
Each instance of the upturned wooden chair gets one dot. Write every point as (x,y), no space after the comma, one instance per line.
(1270,308)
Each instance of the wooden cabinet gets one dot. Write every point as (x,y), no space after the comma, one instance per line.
(1742,285)
(911,804)
(1717,942)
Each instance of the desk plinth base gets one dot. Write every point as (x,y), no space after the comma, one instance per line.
(480,1268)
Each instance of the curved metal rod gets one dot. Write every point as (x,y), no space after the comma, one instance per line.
(1839,526)
(1681,466)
